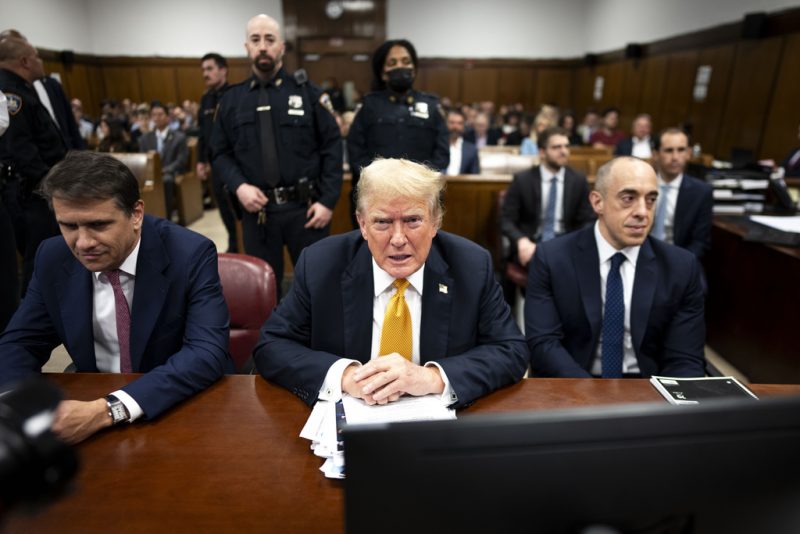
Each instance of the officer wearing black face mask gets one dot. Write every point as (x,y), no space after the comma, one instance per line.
(396,121)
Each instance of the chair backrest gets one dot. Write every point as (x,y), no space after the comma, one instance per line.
(250,291)
(146,167)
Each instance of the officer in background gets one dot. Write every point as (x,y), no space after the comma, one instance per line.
(9,279)
(276,145)
(395,121)
(215,76)
(31,145)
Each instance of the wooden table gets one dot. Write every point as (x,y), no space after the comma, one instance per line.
(752,304)
(230,459)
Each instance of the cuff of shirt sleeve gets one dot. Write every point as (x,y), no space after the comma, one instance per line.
(331,389)
(133,407)
(448,395)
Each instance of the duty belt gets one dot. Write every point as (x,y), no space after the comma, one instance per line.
(282,195)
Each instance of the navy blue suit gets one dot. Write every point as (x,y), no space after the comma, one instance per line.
(564,316)
(693,216)
(470,163)
(467,327)
(625,147)
(179,319)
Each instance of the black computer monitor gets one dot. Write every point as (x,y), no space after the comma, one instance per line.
(725,466)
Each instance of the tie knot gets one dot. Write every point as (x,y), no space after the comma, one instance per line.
(553,180)
(616,260)
(113,277)
(401,284)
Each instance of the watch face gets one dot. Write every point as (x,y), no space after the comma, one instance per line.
(334,10)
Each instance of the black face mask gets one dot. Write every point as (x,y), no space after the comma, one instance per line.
(400,80)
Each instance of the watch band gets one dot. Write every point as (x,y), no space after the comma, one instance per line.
(117,410)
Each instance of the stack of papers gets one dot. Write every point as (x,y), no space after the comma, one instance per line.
(325,423)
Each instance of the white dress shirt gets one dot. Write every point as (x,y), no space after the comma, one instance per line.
(670,196)
(627,271)
(546,177)
(44,98)
(641,148)
(104,324)
(454,168)
(383,284)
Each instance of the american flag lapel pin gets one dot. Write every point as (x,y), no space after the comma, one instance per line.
(443,289)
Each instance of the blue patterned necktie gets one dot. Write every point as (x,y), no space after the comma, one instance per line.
(549,230)
(659,230)
(613,320)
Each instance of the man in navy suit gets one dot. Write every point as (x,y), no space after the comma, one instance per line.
(527,203)
(172,149)
(640,144)
(175,330)
(684,211)
(610,301)
(463,154)
(328,335)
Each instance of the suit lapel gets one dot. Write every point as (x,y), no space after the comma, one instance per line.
(150,291)
(75,295)
(645,282)
(536,196)
(682,206)
(587,265)
(357,302)
(570,191)
(436,305)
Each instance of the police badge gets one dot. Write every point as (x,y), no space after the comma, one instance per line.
(296,105)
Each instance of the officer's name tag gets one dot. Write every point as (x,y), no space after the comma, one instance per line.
(296,105)
(420,110)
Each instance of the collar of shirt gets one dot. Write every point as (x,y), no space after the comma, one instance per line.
(163,133)
(458,144)
(129,265)
(605,250)
(547,175)
(674,184)
(382,280)
(275,81)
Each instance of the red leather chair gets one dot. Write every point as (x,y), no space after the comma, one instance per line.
(511,270)
(248,285)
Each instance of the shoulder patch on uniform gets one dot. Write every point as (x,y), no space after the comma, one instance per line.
(442,112)
(325,101)
(14,103)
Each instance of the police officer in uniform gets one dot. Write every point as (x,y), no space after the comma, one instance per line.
(215,76)
(29,148)
(395,121)
(277,147)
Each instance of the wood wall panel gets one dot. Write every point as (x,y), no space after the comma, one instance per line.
(780,134)
(613,75)
(654,77)
(122,82)
(681,71)
(190,83)
(158,83)
(630,99)
(442,81)
(554,86)
(754,72)
(479,84)
(516,85)
(706,116)
(582,88)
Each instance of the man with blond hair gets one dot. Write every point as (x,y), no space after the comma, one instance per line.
(395,308)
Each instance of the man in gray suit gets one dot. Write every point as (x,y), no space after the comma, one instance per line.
(172,149)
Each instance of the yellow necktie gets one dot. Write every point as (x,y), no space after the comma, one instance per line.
(396,332)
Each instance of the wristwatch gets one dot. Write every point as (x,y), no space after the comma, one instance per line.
(116,410)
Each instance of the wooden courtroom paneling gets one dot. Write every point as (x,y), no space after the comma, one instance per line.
(706,116)
(654,77)
(554,86)
(681,71)
(190,83)
(158,83)
(479,83)
(516,84)
(754,71)
(613,76)
(780,133)
(582,88)
(122,82)
(442,81)
(633,78)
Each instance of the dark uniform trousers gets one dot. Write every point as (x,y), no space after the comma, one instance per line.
(31,145)
(208,107)
(309,151)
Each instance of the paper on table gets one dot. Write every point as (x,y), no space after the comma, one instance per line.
(425,408)
(786,224)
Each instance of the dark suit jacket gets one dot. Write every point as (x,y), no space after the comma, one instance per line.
(470,163)
(563,308)
(175,157)
(493,135)
(522,207)
(625,147)
(179,319)
(467,327)
(62,109)
(693,216)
